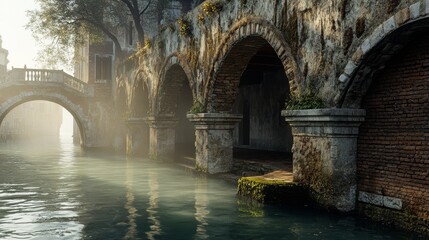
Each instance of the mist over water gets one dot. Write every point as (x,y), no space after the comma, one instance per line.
(54,190)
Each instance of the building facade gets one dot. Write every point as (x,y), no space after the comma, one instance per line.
(3,61)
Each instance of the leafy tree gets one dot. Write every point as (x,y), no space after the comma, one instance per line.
(67,23)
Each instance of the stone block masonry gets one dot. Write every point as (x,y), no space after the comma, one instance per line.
(214,142)
(324,154)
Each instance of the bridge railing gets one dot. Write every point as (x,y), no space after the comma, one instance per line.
(45,75)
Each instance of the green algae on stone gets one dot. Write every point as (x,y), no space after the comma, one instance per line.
(271,191)
(395,218)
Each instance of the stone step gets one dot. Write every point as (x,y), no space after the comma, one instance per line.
(273,188)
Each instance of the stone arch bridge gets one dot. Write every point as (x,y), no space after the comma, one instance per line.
(24,85)
(235,62)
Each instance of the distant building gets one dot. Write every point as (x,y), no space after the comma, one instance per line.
(35,118)
(3,61)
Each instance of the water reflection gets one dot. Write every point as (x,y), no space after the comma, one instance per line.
(129,204)
(152,210)
(249,207)
(68,204)
(61,193)
(201,211)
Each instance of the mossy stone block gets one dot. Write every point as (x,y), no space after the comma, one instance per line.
(271,191)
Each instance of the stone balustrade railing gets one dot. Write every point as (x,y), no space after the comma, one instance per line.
(45,75)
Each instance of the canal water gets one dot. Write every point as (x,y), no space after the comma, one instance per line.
(59,191)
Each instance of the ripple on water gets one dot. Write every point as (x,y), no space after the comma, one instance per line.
(47,230)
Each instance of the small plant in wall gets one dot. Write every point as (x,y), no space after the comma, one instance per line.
(197,107)
(147,44)
(211,8)
(307,100)
(201,18)
(184,27)
(141,50)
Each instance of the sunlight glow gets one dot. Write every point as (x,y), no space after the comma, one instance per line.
(16,39)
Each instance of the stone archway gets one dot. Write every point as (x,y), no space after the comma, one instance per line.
(75,110)
(121,114)
(241,43)
(252,44)
(175,72)
(376,50)
(171,134)
(137,143)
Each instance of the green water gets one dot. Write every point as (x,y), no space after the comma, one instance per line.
(61,192)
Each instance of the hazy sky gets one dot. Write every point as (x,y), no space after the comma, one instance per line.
(16,39)
(20,43)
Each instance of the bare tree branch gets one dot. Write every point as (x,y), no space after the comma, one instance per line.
(145,8)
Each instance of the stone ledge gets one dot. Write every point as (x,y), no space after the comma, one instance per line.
(136,120)
(220,121)
(325,122)
(271,190)
(161,121)
(380,200)
(325,113)
(214,116)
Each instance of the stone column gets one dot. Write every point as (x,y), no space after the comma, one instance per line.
(214,143)
(162,135)
(324,153)
(137,142)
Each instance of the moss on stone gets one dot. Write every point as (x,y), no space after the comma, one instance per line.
(290,27)
(360,26)
(391,5)
(185,28)
(348,39)
(271,191)
(211,8)
(250,207)
(343,8)
(394,218)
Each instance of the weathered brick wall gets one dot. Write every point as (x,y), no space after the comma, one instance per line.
(393,145)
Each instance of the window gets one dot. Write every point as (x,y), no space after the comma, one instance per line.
(103,68)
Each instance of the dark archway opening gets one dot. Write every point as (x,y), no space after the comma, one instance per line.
(137,126)
(121,115)
(176,101)
(185,133)
(262,136)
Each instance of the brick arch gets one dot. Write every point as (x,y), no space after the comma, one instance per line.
(173,75)
(239,45)
(75,109)
(377,49)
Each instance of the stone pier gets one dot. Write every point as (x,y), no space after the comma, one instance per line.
(162,134)
(324,154)
(137,141)
(214,142)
